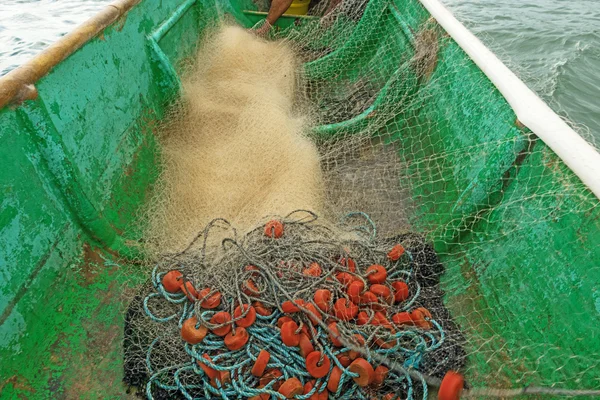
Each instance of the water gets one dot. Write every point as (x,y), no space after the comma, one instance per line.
(28,26)
(554,45)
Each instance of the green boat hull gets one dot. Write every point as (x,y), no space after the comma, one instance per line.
(77,162)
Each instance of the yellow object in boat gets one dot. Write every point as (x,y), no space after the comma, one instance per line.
(298,7)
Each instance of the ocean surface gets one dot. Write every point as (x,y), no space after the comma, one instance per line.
(553,45)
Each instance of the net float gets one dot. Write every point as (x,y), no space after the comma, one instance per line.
(289,337)
(402,318)
(313,270)
(362,318)
(369,299)
(289,307)
(250,288)
(171,281)
(376,274)
(222,317)
(210,301)
(237,340)
(334,334)
(344,278)
(380,319)
(291,388)
(400,291)
(383,292)
(210,372)
(317,364)
(334,379)
(274,229)
(308,387)
(305,345)
(190,291)
(322,299)
(344,359)
(364,370)
(418,316)
(223,378)
(345,310)
(283,320)
(396,252)
(380,374)
(261,309)
(359,341)
(348,263)
(355,289)
(451,387)
(192,334)
(313,314)
(258,369)
(271,375)
(246,320)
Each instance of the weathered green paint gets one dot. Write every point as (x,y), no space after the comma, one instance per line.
(76,164)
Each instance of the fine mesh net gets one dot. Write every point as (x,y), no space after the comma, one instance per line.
(413,146)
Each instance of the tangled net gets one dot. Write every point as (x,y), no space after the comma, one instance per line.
(293,309)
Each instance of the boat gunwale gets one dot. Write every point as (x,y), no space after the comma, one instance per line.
(16,85)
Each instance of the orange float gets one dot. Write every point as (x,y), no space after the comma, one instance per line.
(334,379)
(305,345)
(334,334)
(344,278)
(222,317)
(271,375)
(355,289)
(190,333)
(359,341)
(237,341)
(250,288)
(248,319)
(171,281)
(258,369)
(380,375)
(274,229)
(291,388)
(261,309)
(452,386)
(400,291)
(348,263)
(322,298)
(402,318)
(344,359)
(376,274)
(383,292)
(190,291)
(283,320)
(313,314)
(345,310)
(364,370)
(313,269)
(316,369)
(211,373)
(210,300)
(362,318)
(315,396)
(289,337)
(418,316)
(396,252)
(289,307)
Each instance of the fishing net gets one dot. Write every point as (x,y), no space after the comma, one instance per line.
(416,148)
(293,291)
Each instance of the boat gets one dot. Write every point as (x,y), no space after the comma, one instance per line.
(505,190)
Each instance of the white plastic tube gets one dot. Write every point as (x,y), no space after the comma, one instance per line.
(581,157)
